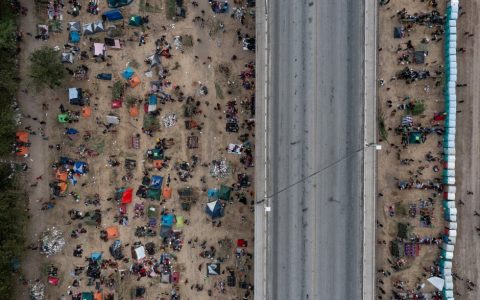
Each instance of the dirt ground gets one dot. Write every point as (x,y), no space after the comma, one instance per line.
(103,179)
(404,275)
(467,250)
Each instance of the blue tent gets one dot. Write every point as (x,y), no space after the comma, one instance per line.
(96,256)
(152,100)
(156,182)
(167,220)
(214,209)
(113,15)
(128,73)
(74,37)
(212,193)
(80,167)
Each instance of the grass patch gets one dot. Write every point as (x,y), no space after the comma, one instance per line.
(382,128)
(219,91)
(147,7)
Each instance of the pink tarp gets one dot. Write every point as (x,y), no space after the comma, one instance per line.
(98,49)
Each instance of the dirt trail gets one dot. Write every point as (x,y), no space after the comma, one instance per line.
(467,250)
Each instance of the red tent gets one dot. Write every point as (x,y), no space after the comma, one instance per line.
(53,280)
(127,196)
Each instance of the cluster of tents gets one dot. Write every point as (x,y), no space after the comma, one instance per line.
(450,211)
(22,143)
(67,170)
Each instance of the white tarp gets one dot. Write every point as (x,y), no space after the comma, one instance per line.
(113,120)
(140,253)
(447,265)
(450,158)
(446,273)
(452,225)
(452,58)
(449,180)
(452,23)
(449,248)
(449,151)
(448,255)
(451,197)
(437,282)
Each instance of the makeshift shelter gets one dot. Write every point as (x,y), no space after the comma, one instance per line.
(75,96)
(419,57)
(118,3)
(214,209)
(88,29)
(135,21)
(87,296)
(134,81)
(213,269)
(112,15)
(128,73)
(168,220)
(74,37)
(152,103)
(127,196)
(74,26)
(154,60)
(67,57)
(113,43)
(153,194)
(133,112)
(157,182)
(139,253)
(398,32)
(224,192)
(165,231)
(167,192)
(86,111)
(98,26)
(113,120)
(80,167)
(22,137)
(99,49)
(111,232)
(116,249)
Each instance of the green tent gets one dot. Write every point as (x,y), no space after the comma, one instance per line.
(63,118)
(415,138)
(224,192)
(118,3)
(135,21)
(153,194)
(157,154)
(87,296)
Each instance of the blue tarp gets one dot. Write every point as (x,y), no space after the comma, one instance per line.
(152,100)
(167,220)
(128,73)
(113,15)
(79,167)
(156,182)
(214,209)
(96,256)
(74,37)
(212,193)
(71,131)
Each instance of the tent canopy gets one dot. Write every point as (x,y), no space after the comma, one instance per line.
(156,182)
(214,209)
(98,26)
(224,192)
(128,73)
(74,37)
(167,220)
(87,29)
(437,282)
(22,137)
(118,3)
(98,49)
(80,167)
(135,20)
(112,232)
(112,15)
(74,26)
(75,96)
(67,57)
(134,81)
(63,118)
(127,196)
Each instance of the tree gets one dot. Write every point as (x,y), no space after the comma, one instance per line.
(46,68)
(7,35)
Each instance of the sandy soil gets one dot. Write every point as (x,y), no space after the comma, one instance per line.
(103,179)
(389,167)
(467,250)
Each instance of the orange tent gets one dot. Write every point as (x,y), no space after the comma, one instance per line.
(133,111)
(98,295)
(22,137)
(134,81)
(61,176)
(157,164)
(21,151)
(167,192)
(86,111)
(112,232)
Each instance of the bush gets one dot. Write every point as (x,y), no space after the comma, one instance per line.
(46,68)
(418,108)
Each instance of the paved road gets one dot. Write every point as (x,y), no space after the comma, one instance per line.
(315,119)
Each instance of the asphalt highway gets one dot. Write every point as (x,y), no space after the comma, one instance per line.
(315,125)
